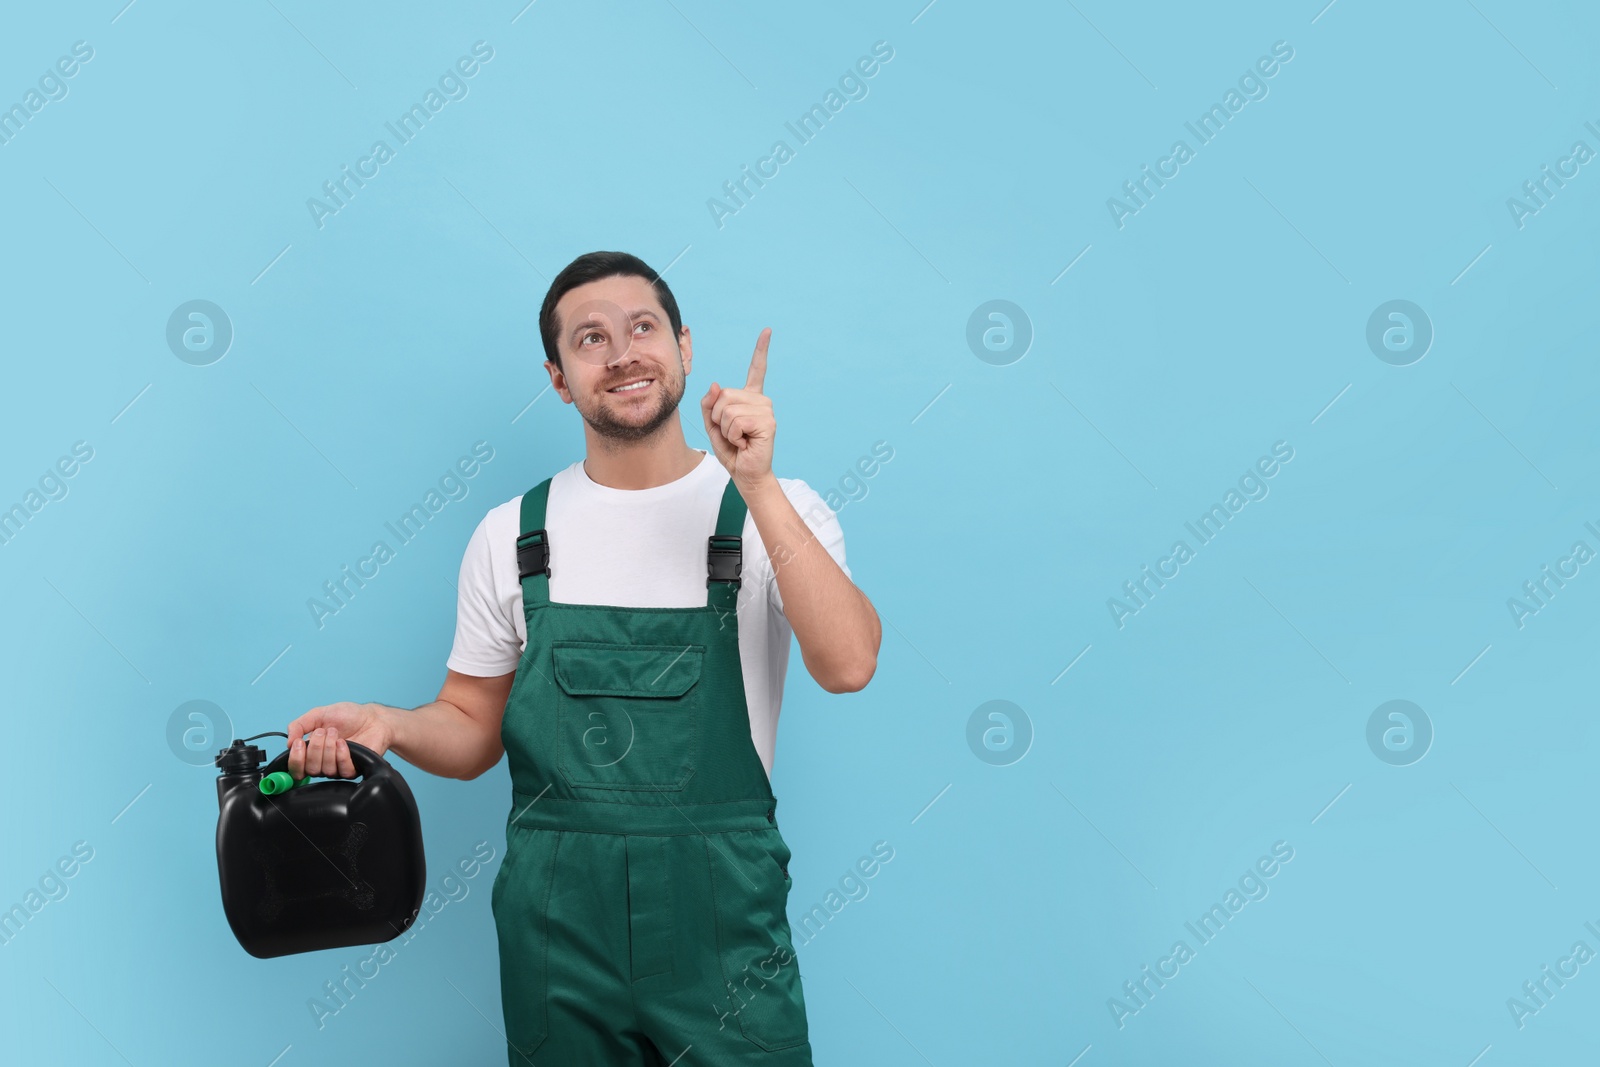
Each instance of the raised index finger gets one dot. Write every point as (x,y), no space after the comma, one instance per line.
(758,362)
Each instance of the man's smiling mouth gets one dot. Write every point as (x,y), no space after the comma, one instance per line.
(632,387)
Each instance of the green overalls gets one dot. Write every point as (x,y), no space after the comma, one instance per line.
(641,906)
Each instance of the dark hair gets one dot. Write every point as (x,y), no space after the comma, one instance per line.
(591,267)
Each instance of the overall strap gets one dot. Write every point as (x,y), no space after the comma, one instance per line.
(533,549)
(724,553)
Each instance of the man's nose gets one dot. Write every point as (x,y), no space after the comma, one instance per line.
(624,356)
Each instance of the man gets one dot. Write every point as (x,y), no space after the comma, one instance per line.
(645,597)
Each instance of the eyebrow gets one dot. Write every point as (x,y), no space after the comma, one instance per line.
(594,320)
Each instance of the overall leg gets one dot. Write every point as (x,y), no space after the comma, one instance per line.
(561,909)
(733,996)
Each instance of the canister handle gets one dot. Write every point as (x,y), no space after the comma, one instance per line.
(368,763)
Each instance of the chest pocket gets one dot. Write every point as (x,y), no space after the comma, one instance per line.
(628,716)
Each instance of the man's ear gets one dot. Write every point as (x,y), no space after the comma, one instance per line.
(686,346)
(559,381)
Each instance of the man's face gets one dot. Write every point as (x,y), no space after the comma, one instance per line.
(614,333)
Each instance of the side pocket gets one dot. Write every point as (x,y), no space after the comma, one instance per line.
(502,875)
(760,971)
(777,850)
(519,902)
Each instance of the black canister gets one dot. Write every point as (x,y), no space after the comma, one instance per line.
(328,864)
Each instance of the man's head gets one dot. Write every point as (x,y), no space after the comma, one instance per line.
(609,321)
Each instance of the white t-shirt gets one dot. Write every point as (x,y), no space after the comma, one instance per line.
(635,548)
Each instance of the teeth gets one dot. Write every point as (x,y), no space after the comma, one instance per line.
(630,388)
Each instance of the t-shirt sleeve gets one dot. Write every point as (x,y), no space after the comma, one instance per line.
(824,526)
(486,643)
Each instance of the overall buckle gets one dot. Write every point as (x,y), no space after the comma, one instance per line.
(723,559)
(533,554)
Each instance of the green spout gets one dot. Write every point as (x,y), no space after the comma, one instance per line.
(280,782)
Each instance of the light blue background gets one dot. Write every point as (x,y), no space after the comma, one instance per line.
(1228,314)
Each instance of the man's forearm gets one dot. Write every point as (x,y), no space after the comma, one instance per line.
(440,738)
(835,623)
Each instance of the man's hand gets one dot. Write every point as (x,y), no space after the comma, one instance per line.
(325,753)
(740,423)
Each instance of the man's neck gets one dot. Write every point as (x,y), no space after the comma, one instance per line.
(664,458)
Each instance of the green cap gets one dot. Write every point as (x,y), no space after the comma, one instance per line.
(280,782)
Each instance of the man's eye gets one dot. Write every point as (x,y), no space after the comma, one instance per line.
(637,325)
(589,335)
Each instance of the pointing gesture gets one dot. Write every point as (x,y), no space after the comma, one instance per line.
(758,362)
(740,423)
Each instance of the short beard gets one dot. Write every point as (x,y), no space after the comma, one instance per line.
(606,426)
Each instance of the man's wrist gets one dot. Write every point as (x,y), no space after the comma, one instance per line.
(389,722)
(765,485)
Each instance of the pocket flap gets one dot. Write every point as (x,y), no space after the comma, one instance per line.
(588,668)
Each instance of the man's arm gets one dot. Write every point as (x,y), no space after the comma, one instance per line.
(456,736)
(835,623)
